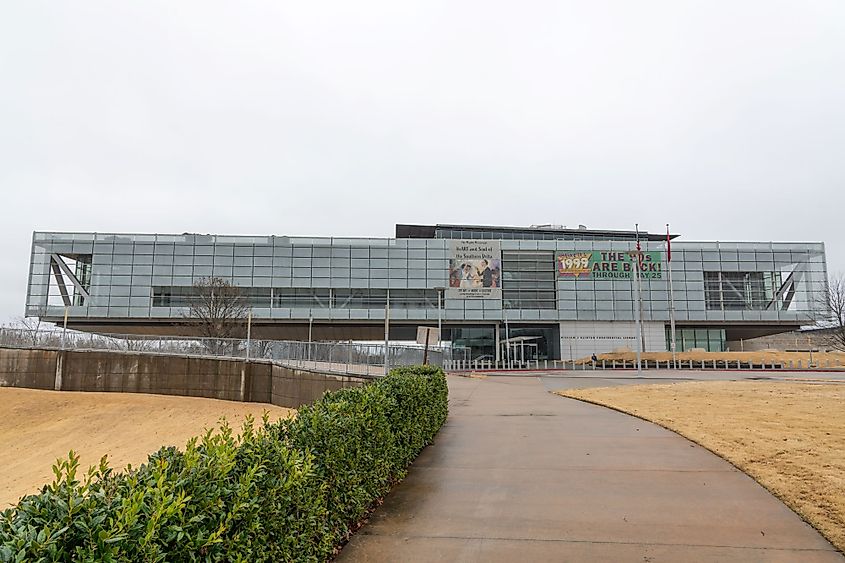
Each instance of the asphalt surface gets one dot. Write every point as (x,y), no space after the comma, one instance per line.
(519,474)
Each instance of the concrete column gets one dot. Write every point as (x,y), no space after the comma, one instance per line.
(498,345)
(243,382)
(60,363)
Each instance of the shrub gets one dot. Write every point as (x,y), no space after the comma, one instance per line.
(287,491)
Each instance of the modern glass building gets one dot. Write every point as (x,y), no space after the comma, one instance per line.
(554,292)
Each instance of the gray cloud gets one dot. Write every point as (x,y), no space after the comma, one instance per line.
(725,119)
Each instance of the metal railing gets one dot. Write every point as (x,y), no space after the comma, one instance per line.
(345,357)
(462,364)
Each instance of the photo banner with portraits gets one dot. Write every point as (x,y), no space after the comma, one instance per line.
(475,269)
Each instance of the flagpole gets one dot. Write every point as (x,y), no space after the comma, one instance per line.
(639,307)
(640,282)
(671,299)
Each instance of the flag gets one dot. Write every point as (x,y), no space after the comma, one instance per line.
(668,245)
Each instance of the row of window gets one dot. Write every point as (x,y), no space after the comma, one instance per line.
(401,252)
(104,250)
(267,261)
(309,298)
(323,298)
(249,272)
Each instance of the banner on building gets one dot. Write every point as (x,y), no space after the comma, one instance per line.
(475,269)
(609,264)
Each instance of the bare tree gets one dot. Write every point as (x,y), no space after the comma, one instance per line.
(218,311)
(832,304)
(30,326)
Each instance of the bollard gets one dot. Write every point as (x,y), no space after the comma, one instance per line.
(737,364)
(545,364)
(603,365)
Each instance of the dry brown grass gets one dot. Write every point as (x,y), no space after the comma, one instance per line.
(820,359)
(790,437)
(40,426)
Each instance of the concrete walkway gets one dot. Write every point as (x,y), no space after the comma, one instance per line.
(519,474)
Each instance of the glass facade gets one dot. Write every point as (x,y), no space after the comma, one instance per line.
(147,279)
(743,291)
(709,339)
(528,279)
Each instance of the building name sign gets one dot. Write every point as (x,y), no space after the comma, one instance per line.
(609,264)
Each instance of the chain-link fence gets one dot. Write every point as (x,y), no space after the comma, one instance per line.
(355,358)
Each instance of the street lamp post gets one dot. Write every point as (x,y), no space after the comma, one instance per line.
(439,314)
(310,325)
(387,334)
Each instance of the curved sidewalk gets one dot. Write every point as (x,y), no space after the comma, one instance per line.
(519,474)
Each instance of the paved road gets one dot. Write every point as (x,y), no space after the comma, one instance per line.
(519,474)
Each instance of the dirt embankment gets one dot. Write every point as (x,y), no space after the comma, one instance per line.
(40,426)
(819,359)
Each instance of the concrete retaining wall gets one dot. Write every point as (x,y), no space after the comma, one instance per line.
(134,372)
(35,369)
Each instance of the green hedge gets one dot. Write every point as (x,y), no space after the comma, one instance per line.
(287,491)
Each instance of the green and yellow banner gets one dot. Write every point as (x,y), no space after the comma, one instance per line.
(609,264)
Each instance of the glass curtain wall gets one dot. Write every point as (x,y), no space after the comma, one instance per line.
(710,339)
(528,279)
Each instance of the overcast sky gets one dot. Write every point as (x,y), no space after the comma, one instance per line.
(726,119)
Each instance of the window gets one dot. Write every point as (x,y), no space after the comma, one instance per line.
(184,295)
(710,339)
(528,279)
(301,298)
(377,298)
(741,291)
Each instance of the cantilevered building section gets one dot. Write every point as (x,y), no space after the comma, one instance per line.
(560,292)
